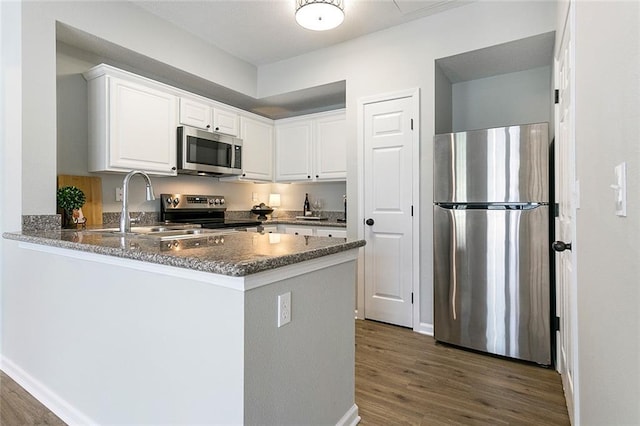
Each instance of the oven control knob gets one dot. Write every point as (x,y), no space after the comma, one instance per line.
(176,201)
(210,201)
(217,201)
(221,201)
(169,200)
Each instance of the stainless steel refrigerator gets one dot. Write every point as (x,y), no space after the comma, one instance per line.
(491,241)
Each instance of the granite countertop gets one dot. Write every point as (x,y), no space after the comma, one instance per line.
(237,254)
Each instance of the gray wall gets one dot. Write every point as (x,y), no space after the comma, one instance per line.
(317,348)
(607,117)
(513,98)
(443,102)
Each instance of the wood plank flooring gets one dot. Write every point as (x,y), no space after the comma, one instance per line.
(404,378)
(19,408)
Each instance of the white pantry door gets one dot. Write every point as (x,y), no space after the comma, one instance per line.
(388,202)
(567,198)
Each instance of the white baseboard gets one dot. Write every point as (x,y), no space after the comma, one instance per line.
(350,418)
(60,407)
(424,328)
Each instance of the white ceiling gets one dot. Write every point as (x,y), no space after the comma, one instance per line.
(265,31)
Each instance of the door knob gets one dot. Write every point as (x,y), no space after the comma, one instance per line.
(370,222)
(560,246)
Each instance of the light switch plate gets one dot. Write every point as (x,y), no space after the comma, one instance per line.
(620,189)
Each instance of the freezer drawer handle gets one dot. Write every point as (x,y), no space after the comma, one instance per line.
(560,246)
(370,222)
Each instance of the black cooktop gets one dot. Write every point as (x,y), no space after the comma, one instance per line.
(207,211)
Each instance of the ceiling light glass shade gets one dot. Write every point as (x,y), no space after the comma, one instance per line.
(319,15)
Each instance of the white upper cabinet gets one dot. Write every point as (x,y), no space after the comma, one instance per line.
(195,114)
(225,121)
(132,123)
(293,150)
(311,148)
(257,149)
(331,147)
(208,116)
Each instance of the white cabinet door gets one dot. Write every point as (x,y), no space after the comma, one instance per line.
(195,114)
(331,232)
(208,116)
(311,148)
(257,149)
(293,151)
(225,121)
(331,147)
(136,131)
(299,230)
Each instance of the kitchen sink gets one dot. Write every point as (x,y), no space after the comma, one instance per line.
(188,233)
(167,232)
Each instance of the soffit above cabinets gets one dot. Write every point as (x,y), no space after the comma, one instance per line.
(514,56)
(94,50)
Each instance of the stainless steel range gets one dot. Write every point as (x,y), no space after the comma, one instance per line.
(204,210)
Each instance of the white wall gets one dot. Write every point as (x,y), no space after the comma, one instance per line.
(607,114)
(514,98)
(10,128)
(400,58)
(109,343)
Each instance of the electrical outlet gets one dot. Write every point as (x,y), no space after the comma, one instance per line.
(118,194)
(284,309)
(254,196)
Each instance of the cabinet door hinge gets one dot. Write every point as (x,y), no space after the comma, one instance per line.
(556,324)
(556,96)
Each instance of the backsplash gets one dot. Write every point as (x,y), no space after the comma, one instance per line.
(43,222)
(140,218)
(54,221)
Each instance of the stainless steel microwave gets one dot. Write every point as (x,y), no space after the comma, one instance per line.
(207,153)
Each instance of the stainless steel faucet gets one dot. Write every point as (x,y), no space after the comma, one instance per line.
(125,219)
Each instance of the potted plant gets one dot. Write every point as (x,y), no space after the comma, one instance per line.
(69,199)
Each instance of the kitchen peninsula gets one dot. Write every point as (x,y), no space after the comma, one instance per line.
(143,331)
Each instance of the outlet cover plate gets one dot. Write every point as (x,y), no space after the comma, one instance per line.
(284,309)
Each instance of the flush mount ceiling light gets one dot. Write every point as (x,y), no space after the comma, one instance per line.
(319,15)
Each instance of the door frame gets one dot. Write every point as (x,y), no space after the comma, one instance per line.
(414,94)
(572,392)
